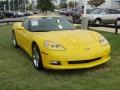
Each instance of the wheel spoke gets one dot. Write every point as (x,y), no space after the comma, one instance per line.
(35,51)
(35,57)
(14,40)
(118,22)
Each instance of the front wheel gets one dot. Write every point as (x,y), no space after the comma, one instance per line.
(14,41)
(37,60)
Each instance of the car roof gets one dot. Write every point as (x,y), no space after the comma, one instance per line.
(40,16)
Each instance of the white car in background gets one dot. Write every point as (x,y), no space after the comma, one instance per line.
(104,16)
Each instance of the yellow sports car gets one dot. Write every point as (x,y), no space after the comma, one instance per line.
(54,43)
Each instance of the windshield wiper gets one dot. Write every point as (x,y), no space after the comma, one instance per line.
(41,31)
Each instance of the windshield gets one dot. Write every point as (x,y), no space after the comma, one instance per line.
(97,11)
(50,24)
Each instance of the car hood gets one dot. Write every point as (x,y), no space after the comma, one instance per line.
(68,37)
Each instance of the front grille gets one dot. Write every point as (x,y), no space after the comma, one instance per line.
(83,61)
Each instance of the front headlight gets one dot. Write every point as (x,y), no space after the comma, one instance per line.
(103,41)
(53,46)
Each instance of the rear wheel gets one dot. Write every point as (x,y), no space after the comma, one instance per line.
(37,60)
(14,41)
(97,21)
(118,22)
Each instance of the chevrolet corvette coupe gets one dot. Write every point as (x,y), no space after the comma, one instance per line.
(54,43)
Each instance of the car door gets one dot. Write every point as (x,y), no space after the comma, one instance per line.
(115,15)
(26,36)
(106,16)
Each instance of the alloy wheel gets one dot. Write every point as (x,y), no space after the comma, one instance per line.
(97,21)
(118,22)
(14,40)
(36,57)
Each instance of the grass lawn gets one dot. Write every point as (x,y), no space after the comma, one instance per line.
(18,73)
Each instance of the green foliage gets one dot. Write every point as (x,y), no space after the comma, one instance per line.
(19,5)
(72,4)
(30,7)
(96,3)
(18,73)
(63,5)
(14,4)
(2,4)
(45,5)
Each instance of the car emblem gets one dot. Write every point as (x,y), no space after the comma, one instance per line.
(87,48)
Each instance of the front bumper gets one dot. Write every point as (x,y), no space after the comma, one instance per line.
(75,62)
(65,65)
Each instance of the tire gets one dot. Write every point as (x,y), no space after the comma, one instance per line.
(14,41)
(118,22)
(97,21)
(36,56)
(11,16)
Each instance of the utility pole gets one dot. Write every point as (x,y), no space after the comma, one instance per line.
(74,4)
(8,5)
(67,4)
(25,4)
(22,5)
(18,5)
(4,6)
(28,5)
(13,5)
(85,6)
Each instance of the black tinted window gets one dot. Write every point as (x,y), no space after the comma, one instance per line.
(107,11)
(50,24)
(97,11)
(114,11)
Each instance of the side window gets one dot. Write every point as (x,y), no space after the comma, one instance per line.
(114,11)
(107,11)
(117,12)
(26,24)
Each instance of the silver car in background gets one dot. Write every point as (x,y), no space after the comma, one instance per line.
(104,16)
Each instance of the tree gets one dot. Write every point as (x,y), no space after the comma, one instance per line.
(2,3)
(63,5)
(30,7)
(15,4)
(72,4)
(45,5)
(18,4)
(96,3)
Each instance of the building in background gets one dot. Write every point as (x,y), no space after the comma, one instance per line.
(112,3)
(107,4)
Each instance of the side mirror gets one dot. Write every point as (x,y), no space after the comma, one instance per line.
(19,26)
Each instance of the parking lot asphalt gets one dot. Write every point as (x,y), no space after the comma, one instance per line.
(11,19)
(112,30)
(6,19)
